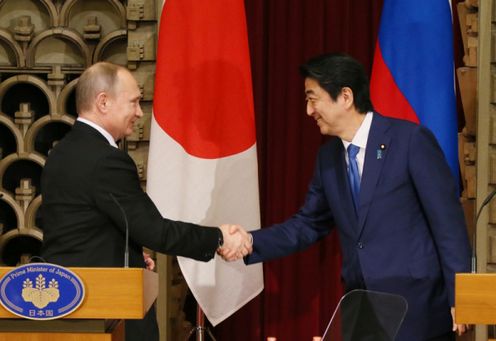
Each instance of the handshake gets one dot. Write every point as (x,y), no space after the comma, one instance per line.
(237,242)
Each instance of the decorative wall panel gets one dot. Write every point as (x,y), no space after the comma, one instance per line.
(44,45)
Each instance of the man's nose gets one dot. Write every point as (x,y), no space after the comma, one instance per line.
(139,112)
(310,109)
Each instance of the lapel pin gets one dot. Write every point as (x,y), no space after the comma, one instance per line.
(380,151)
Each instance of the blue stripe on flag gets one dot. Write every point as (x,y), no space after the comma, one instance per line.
(416,40)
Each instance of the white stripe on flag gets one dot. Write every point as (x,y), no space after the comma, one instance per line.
(208,192)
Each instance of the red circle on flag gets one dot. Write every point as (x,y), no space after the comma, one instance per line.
(208,113)
(203,92)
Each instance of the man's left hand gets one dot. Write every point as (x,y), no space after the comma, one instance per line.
(150,263)
(459,329)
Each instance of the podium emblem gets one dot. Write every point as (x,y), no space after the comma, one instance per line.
(40,296)
(41,291)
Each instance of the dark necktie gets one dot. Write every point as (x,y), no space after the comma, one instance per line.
(353,173)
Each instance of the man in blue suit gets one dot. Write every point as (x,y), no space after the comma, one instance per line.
(385,184)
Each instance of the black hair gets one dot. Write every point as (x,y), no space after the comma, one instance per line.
(334,71)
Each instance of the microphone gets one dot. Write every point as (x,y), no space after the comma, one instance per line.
(126,224)
(474,244)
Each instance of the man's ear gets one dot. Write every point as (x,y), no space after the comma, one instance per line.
(102,102)
(348,98)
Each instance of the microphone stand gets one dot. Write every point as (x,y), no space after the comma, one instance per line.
(124,215)
(200,326)
(486,201)
(126,225)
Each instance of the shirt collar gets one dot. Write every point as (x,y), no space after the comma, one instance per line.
(102,131)
(362,134)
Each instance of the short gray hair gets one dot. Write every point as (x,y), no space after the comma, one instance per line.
(100,77)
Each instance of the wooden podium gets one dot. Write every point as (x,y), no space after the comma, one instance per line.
(475,299)
(111,295)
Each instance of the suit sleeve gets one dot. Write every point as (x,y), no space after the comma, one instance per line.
(312,222)
(116,174)
(438,195)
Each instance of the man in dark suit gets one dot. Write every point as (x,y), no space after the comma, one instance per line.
(390,195)
(91,192)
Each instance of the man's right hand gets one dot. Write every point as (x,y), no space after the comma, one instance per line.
(237,242)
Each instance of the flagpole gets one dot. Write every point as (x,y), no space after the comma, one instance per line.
(200,326)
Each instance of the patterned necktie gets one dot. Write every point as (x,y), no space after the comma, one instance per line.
(353,173)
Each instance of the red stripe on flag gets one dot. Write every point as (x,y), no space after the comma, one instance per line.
(384,93)
(203,89)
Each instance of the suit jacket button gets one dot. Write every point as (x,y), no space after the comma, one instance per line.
(360,245)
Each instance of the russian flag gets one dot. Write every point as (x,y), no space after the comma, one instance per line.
(413,71)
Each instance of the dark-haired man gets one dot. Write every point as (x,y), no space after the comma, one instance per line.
(385,184)
(88,182)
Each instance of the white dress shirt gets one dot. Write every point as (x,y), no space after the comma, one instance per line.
(360,140)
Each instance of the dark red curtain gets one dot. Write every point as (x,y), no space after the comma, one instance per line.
(302,290)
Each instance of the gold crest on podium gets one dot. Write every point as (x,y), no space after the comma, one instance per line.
(40,295)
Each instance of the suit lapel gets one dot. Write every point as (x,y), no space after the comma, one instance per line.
(375,156)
